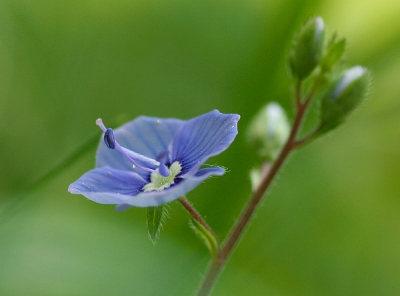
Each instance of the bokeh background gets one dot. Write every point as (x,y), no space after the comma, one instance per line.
(331,225)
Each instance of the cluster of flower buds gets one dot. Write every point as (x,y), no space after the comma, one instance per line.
(312,57)
(317,71)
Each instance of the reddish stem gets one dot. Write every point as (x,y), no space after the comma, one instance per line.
(195,215)
(255,200)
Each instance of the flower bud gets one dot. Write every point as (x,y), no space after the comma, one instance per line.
(343,96)
(269,130)
(308,48)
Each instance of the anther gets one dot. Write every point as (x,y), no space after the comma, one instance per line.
(109,138)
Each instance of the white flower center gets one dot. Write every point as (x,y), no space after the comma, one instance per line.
(158,182)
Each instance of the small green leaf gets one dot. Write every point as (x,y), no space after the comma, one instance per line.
(208,239)
(155,217)
(333,54)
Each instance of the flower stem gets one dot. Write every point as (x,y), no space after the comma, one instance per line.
(192,211)
(306,139)
(210,279)
(246,216)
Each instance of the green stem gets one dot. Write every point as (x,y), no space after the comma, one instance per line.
(210,279)
(58,168)
(255,200)
(307,138)
(67,161)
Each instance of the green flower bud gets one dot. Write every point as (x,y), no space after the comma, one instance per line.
(269,131)
(343,96)
(308,48)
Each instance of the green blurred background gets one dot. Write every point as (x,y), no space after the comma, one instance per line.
(331,225)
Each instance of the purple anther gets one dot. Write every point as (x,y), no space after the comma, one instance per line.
(132,156)
(109,138)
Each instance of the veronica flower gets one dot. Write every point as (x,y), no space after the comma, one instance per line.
(151,161)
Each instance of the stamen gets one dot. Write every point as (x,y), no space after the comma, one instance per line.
(121,150)
(109,138)
(113,144)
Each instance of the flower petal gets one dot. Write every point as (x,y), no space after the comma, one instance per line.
(203,137)
(156,198)
(148,136)
(107,185)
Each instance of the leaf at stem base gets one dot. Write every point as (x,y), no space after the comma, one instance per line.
(208,239)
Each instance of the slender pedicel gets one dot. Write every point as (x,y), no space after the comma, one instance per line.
(113,144)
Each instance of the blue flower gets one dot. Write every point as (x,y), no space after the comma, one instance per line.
(155,160)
